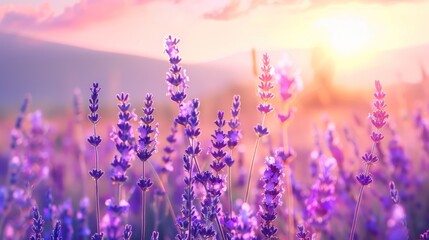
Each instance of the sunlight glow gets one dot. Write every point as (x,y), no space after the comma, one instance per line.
(345,35)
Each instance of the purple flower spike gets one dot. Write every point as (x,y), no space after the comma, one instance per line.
(234,123)
(93,104)
(56,233)
(272,195)
(95,141)
(37,225)
(265,86)
(124,140)
(378,119)
(176,78)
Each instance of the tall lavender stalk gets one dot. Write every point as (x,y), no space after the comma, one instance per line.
(56,233)
(95,140)
(188,117)
(176,79)
(124,142)
(273,189)
(265,107)
(378,120)
(146,147)
(289,84)
(37,225)
(233,136)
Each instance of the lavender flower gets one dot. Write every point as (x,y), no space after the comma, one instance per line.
(234,123)
(95,140)
(233,136)
(320,203)
(265,86)
(264,92)
(289,84)
(56,233)
(147,143)
(37,225)
(176,77)
(213,182)
(272,195)
(218,143)
(189,118)
(378,119)
(188,210)
(124,142)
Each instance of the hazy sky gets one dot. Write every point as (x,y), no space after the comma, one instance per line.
(213,29)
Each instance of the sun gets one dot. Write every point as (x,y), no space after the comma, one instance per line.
(345,35)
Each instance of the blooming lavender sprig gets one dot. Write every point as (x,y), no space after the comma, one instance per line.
(272,195)
(378,119)
(189,117)
(397,223)
(95,140)
(176,79)
(56,233)
(213,181)
(184,222)
(265,94)
(124,142)
(37,226)
(289,82)
(244,226)
(321,201)
(147,144)
(233,136)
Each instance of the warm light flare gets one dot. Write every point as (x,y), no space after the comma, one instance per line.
(345,35)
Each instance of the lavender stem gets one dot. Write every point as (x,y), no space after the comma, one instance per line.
(249,179)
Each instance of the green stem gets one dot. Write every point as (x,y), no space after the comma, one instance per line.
(249,179)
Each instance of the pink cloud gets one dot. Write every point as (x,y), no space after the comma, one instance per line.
(236,8)
(84,12)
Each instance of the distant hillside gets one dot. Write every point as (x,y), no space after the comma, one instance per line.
(50,72)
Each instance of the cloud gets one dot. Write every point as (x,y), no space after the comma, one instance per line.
(236,8)
(82,13)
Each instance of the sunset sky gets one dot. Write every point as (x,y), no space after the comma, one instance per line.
(214,29)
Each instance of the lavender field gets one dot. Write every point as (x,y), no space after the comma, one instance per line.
(323,142)
(227,179)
